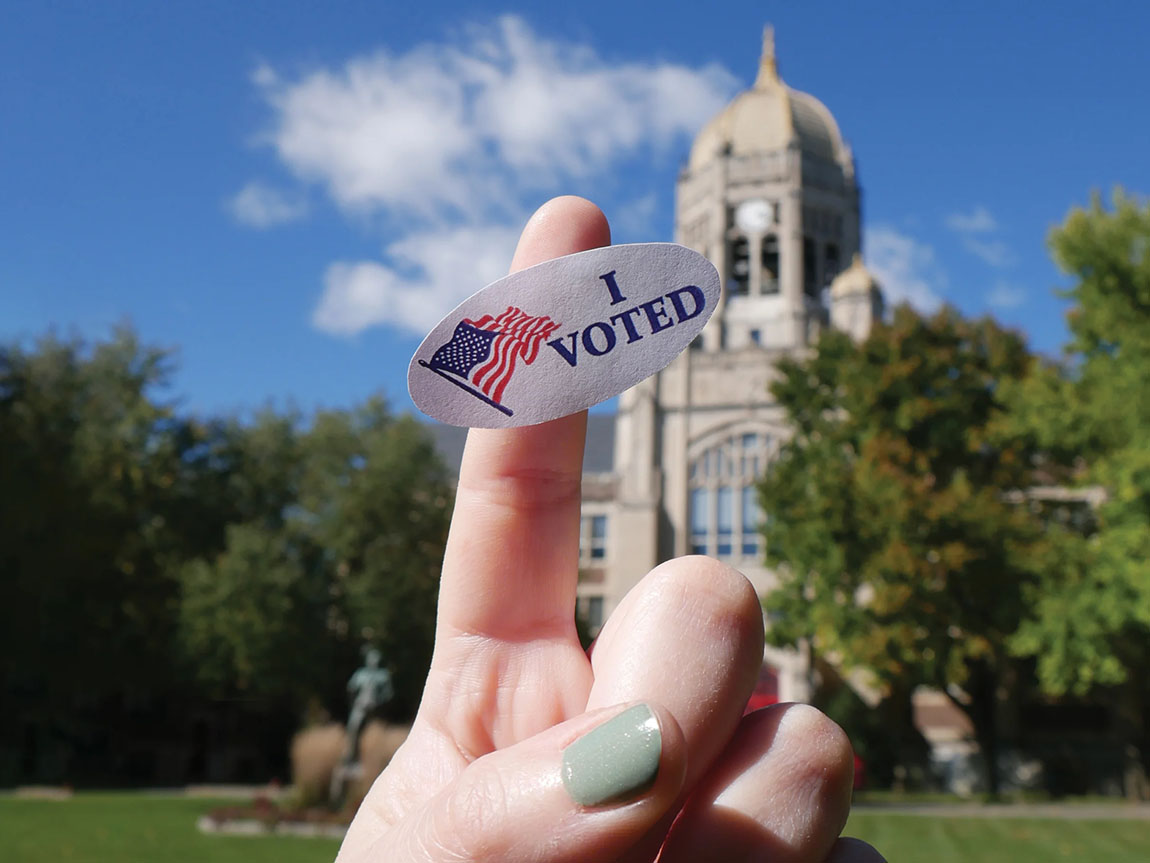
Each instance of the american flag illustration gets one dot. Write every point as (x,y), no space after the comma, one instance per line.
(484,352)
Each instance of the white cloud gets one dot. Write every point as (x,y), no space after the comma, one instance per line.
(905,268)
(380,132)
(977,230)
(977,221)
(1006,296)
(431,272)
(261,206)
(465,129)
(993,252)
(450,145)
(264,76)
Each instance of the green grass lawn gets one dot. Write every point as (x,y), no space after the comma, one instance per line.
(125,828)
(923,839)
(137,828)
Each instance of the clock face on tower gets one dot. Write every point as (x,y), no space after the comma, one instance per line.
(754,216)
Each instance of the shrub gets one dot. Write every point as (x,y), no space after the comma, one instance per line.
(315,752)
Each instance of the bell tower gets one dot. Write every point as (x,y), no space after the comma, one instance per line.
(769,195)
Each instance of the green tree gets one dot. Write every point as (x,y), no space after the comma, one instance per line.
(889,513)
(151,562)
(89,461)
(1091,629)
(378,499)
(254,619)
(345,522)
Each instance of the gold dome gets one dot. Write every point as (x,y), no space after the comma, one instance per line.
(855,279)
(769,117)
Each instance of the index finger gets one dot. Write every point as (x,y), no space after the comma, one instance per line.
(511,563)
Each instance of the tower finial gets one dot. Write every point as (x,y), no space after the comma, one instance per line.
(768,69)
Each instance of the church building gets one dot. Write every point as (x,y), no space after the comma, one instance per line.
(769,195)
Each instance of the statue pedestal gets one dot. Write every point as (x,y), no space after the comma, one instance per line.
(341,778)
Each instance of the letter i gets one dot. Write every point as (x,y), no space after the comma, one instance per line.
(613,287)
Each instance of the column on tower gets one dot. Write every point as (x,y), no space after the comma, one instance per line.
(791,263)
(713,332)
(755,251)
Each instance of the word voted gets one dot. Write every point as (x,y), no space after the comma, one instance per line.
(647,318)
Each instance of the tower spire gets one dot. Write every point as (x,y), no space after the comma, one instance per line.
(768,69)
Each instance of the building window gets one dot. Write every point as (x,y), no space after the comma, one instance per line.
(770,261)
(598,537)
(750,520)
(724,517)
(725,521)
(592,539)
(700,520)
(739,281)
(756,337)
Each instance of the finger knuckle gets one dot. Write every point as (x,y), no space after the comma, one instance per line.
(828,750)
(716,592)
(524,489)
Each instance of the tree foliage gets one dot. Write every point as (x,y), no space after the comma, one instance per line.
(88,463)
(1091,628)
(148,556)
(890,513)
(346,552)
(1093,625)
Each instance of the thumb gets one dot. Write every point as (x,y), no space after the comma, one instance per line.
(587,789)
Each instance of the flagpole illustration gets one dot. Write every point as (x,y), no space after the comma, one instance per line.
(464,386)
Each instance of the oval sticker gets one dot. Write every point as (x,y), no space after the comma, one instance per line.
(563,335)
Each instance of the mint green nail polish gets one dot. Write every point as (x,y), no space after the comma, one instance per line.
(615,761)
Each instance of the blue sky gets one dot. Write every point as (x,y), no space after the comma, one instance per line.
(290,193)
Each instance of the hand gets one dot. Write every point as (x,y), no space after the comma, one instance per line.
(492,770)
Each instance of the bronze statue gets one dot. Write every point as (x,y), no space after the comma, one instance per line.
(369,688)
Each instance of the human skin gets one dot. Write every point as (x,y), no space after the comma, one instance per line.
(481,776)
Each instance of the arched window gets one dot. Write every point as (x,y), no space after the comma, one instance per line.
(769,255)
(739,282)
(724,512)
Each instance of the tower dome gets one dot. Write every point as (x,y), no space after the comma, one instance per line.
(771,116)
(855,279)
(856,300)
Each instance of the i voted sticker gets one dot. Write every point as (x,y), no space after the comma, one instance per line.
(563,335)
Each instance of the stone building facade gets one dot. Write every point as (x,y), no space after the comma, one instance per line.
(769,195)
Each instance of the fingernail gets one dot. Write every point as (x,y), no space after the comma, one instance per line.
(615,761)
